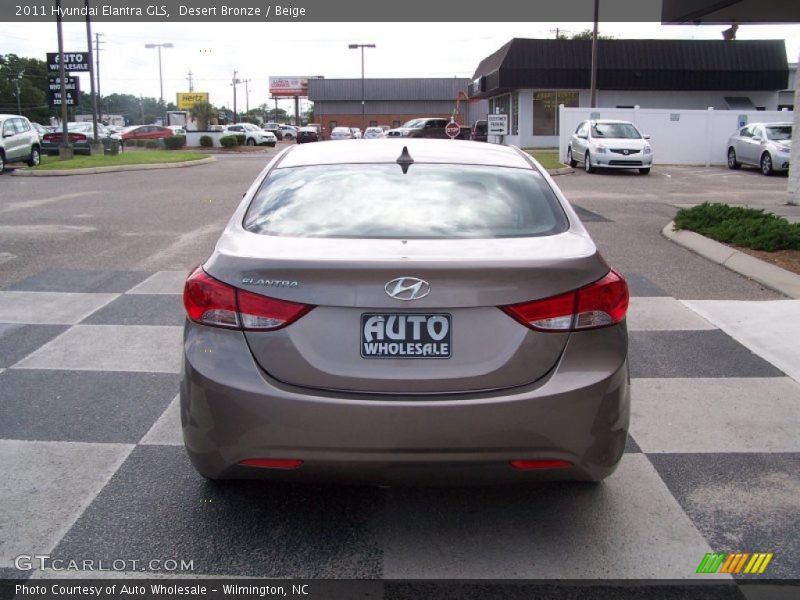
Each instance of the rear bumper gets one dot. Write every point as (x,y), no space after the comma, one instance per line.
(232,411)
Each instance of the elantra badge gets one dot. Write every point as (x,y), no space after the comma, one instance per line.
(407,288)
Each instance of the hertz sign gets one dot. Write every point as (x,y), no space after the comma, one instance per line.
(186,100)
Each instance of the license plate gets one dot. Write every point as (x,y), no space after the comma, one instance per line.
(411,335)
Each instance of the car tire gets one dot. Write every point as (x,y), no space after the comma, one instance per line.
(251,142)
(35,157)
(2,162)
(644,170)
(271,144)
(732,162)
(766,164)
(570,160)
(587,163)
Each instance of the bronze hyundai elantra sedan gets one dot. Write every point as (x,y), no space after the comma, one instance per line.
(405,311)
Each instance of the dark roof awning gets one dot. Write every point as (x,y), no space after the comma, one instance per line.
(739,103)
(750,65)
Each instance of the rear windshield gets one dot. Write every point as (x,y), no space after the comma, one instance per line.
(429,201)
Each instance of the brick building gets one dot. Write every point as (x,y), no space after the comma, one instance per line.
(392,102)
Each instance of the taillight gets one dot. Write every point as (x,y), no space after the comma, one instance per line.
(212,302)
(537,465)
(76,137)
(598,304)
(48,137)
(272,463)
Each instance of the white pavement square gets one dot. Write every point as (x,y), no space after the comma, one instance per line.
(167,430)
(163,282)
(716,415)
(50,308)
(46,487)
(111,348)
(663,314)
(604,531)
(771,329)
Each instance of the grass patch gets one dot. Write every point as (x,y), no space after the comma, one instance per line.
(744,227)
(547,158)
(145,157)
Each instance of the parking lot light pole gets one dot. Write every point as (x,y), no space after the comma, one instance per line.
(363,105)
(160,76)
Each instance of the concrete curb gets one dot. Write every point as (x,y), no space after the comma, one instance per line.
(751,267)
(560,171)
(96,170)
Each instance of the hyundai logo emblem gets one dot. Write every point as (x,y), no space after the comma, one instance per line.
(407,288)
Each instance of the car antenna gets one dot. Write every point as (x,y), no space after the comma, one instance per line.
(405,160)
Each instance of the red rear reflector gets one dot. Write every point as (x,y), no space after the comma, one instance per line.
(212,302)
(272,463)
(532,465)
(598,304)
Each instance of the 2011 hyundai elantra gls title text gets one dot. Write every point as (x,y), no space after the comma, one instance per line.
(405,311)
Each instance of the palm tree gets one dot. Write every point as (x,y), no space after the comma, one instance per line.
(203,113)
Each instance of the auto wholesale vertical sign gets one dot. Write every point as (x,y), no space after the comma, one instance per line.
(73,89)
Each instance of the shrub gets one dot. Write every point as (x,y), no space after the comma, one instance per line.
(228,141)
(175,142)
(141,143)
(240,139)
(744,227)
(206,141)
(151,144)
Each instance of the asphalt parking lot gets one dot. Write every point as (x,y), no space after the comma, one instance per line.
(91,271)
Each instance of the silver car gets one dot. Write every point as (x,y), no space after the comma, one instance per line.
(610,145)
(405,311)
(19,141)
(342,133)
(764,145)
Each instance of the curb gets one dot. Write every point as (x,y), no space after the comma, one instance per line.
(561,171)
(97,170)
(773,277)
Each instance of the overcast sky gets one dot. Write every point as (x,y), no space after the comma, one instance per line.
(259,50)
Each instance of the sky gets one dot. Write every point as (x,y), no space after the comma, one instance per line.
(212,51)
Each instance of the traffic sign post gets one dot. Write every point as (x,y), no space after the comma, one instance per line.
(452,130)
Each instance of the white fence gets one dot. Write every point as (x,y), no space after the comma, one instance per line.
(193,137)
(678,137)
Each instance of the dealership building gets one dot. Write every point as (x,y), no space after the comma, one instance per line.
(529,78)
(392,102)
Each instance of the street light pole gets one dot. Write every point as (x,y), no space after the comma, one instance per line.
(161,77)
(363,102)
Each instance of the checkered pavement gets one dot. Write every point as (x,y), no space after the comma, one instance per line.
(93,468)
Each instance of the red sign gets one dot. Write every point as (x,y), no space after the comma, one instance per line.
(452,129)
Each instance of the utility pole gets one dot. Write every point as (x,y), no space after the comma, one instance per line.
(190,78)
(65,150)
(96,147)
(246,96)
(363,88)
(234,83)
(593,83)
(19,102)
(97,58)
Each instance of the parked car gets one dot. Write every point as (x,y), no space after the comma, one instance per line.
(356,133)
(373,133)
(479,131)
(396,132)
(426,127)
(289,132)
(176,129)
(274,128)
(490,346)
(39,129)
(144,132)
(19,141)
(610,144)
(342,133)
(307,134)
(80,135)
(254,135)
(764,145)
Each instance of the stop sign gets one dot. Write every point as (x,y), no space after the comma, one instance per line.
(452,129)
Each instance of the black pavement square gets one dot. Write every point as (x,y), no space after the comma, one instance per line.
(80,280)
(17,341)
(710,353)
(641,286)
(157,506)
(82,406)
(742,502)
(631,446)
(140,309)
(589,216)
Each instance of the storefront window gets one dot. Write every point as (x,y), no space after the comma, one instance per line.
(500,105)
(545,110)
(515,113)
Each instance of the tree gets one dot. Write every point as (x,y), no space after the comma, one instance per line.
(29,76)
(203,113)
(586,34)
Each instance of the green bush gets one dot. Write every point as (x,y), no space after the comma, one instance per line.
(141,143)
(240,139)
(175,142)
(744,227)
(228,141)
(206,141)
(151,144)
